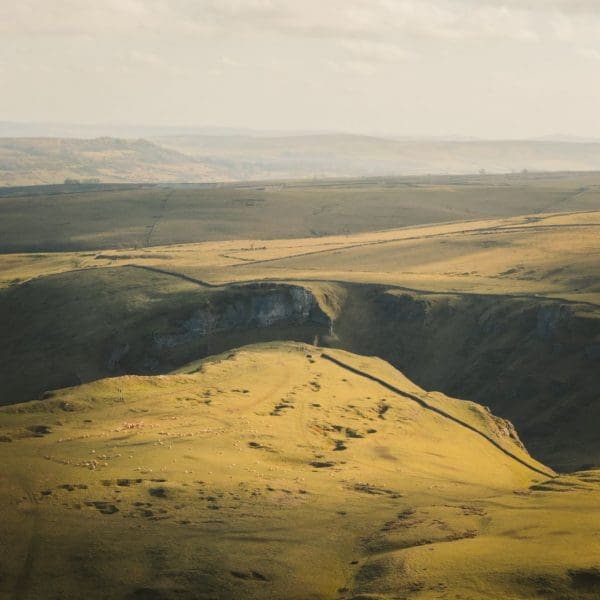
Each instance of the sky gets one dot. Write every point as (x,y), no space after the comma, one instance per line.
(475,68)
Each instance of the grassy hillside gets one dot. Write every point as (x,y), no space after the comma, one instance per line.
(142,217)
(553,255)
(504,312)
(113,321)
(529,360)
(29,161)
(274,472)
(282,469)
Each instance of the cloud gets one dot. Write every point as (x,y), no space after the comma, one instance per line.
(589,53)
(148,59)
(351,66)
(372,19)
(374,52)
(227,61)
(568,7)
(335,20)
(63,17)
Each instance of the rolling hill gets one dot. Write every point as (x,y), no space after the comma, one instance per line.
(226,156)
(280,390)
(280,471)
(343,155)
(31,161)
(501,311)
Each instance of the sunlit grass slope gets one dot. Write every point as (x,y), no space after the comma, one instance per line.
(274,472)
(550,255)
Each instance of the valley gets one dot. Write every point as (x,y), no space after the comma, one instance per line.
(218,408)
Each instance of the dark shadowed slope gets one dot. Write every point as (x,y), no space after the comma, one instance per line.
(141,217)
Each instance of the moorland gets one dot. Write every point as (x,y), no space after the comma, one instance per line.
(359,389)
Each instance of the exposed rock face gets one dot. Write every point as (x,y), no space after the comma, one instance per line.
(246,307)
(549,317)
(116,356)
(504,428)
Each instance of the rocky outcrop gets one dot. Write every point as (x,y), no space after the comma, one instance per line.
(116,356)
(245,307)
(549,318)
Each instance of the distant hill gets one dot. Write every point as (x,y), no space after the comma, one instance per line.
(26,161)
(335,155)
(232,157)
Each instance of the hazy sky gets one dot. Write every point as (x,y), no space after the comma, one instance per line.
(485,68)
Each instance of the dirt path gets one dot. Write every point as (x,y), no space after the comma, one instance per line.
(157,219)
